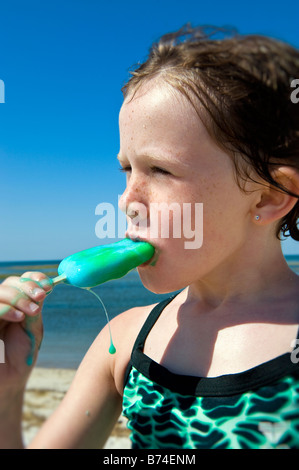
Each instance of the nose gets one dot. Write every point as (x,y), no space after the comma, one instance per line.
(131,193)
(132,201)
(122,202)
(133,209)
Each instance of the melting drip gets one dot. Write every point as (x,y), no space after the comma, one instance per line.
(30,357)
(29,320)
(112,349)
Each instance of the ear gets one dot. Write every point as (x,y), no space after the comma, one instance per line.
(275,203)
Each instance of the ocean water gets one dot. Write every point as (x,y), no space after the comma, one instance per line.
(73,317)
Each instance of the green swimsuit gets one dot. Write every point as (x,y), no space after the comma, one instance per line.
(255,409)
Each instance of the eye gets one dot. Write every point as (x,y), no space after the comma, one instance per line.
(161,171)
(125,169)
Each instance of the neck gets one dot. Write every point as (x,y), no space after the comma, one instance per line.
(251,275)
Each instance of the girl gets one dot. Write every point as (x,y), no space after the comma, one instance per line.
(205,121)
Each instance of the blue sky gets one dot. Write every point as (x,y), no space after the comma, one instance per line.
(63,63)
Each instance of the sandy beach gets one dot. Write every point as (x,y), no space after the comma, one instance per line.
(45,389)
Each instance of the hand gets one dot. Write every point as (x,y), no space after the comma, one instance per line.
(21,330)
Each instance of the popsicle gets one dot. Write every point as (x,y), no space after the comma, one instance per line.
(100,264)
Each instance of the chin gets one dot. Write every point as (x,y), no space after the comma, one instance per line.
(158,284)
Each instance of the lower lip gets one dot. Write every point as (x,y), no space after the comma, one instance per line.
(147,263)
(154,258)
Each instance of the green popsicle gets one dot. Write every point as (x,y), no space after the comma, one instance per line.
(97,265)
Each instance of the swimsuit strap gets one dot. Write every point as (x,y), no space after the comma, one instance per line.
(149,323)
(146,328)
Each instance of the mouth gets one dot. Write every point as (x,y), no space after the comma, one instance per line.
(155,256)
(135,238)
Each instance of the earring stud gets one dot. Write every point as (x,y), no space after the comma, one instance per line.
(257,217)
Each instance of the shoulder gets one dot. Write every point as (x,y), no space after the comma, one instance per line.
(132,319)
(124,329)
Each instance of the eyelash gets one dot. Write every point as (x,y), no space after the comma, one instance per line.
(160,170)
(124,169)
(153,169)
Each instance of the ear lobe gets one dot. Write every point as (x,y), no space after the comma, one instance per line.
(275,203)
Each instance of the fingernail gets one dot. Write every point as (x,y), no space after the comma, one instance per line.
(33,307)
(37,291)
(19,315)
(46,282)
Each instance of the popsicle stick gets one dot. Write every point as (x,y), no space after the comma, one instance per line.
(58,279)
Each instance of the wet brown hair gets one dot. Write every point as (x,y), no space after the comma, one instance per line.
(243,84)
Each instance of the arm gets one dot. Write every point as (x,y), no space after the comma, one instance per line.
(10,422)
(91,407)
(21,333)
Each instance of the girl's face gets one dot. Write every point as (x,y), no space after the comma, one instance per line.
(175,169)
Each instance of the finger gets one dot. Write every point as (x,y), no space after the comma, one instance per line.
(43,282)
(35,287)
(14,297)
(11,314)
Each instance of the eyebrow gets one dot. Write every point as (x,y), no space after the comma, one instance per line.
(153,159)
